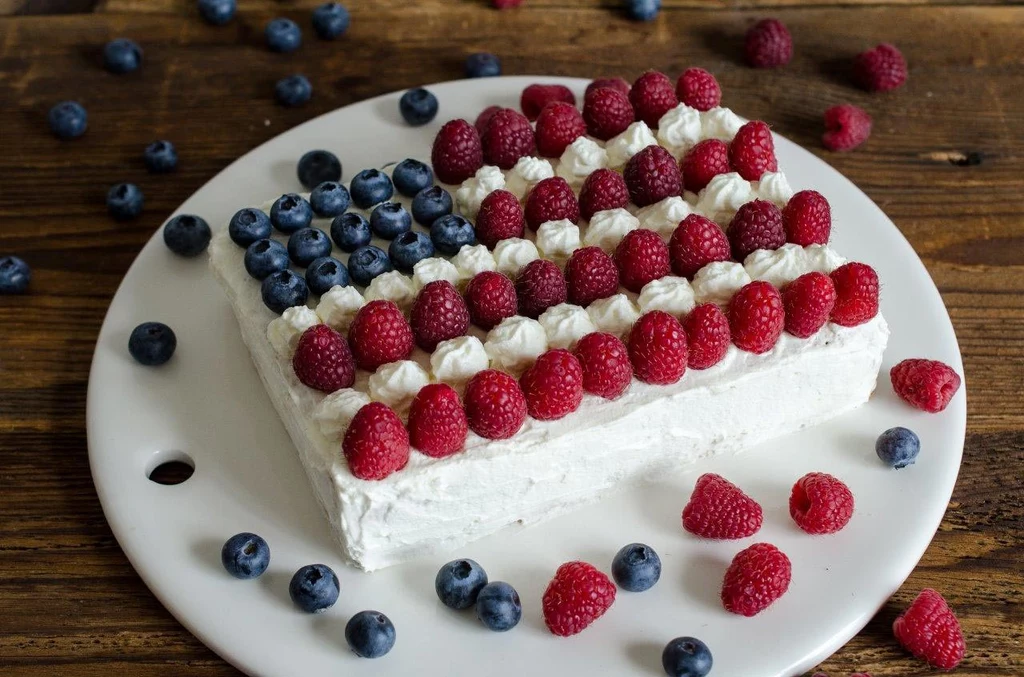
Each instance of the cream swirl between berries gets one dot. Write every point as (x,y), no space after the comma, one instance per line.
(515,343)
(392,286)
(674,295)
(581,158)
(663,217)
(630,142)
(774,187)
(433,269)
(459,359)
(396,383)
(527,173)
(473,190)
(723,195)
(565,324)
(720,123)
(679,129)
(783,265)
(337,410)
(338,307)
(607,228)
(557,240)
(284,332)
(473,259)
(512,254)
(717,282)
(615,314)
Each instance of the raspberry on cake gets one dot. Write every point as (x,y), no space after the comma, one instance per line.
(500,218)
(540,285)
(697,242)
(490,298)
(698,89)
(706,160)
(558,125)
(495,405)
(438,314)
(657,348)
(752,151)
(507,136)
(553,386)
(457,152)
(535,97)
(652,95)
(652,175)
(437,422)
(590,275)
(756,317)
(604,189)
(807,218)
(551,199)
(707,336)
(376,443)
(607,112)
(605,365)
(379,334)
(757,225)
(641,256)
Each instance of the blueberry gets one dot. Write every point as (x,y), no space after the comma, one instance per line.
(290,213)
(282,290)
(686,657)
(217,12)
(122,56)
(898,447)
(160,157)
(124,201)
(307,245)
(418,106)
(367,263)
(449,234)
(430,204)
(330,20)
(370,187)
(389,220)
(411,176)
(187,235)
(324,273)
(317,166)
(152,343)
(248,225)
(459,582)
(350,231)
(68,120)
(643,10)
(410,248)
(14,275)
(283,35)
(329,199)
(498,606)
(482,65)
(245,555)
(314,588)
(636,567)
(370,634)
(293,90)
(265,257)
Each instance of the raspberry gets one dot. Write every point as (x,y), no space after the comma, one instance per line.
(820,503)
(323,360)
(437,422)
(695,243)
(379,334)
(438,314)
(698,89)
(577,596)
(612,83)
(500,217)
(507,137)
(808,301)
(707,336)
(657,348)
(928,385)
(756,317)
(652,95)
(603,189)
(456,154)
(539,285)
(856,294)
(607,112)
(807,218)
(930,630)
(495,406)
(719,509)
(485,116)
(846,127)
(553,386)
(558,125)
(652,175)
(641,256)
(752,151)
(535,97)
(768,44)
(590,275)
(757,225)
(550,200)
(376,443)
(490,297)
(505,4)
(880,69)
(758,576)
(605,363)
(706,160)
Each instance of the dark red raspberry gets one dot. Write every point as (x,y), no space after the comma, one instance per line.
(757,577)
(930,630)
(614,83)
(457,152)
(323,360)
(657,348)
(553,386)
(719,509)
(928,385)
(807,218)
(491,297)
(437,422)
(550,200)
(652,175)
(603,189)
(652,95)
(768,44)
(558,125)
(607,112)
(604,359)
(856,294)
(820,503)
(880,69)
(535,97)
(707,336)
(590,275)
(757,225)
(507,137)
(641,256)
(438,314)
(376,443)
(808,301)
(500,217)
(846,127)
(495,406)
(379,334)
(539,285)
(756,317)
(698,89)
(485,116)
(695,243)
(577,596)
(752,151)
(706,160)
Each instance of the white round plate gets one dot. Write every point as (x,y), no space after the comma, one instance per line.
(209,403)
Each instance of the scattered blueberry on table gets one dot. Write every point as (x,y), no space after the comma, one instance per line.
(450,233)
(217,12)
(636,567)
(291,212)
(152,343)
(370,187)
(324,273)
(160,157)
(15,275)
(249,225)
(187,235)
(329,199)
(418,106)
(459,582)
(350,231)
(686,657)
(498,606)
(330,20)
(122,55)
(367,263)
(293,90)
(124,201)
(314,588)
(68,120)
(430,204)
(482,65)
(388,220)
(411,176)
(643,10)
(307,245)
(245,555)
(370,634)
(265,257)
(410,248)
(898,447)
(283,290)
(283,35)
(317,166)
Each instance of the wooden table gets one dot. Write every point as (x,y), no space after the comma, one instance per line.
(944,161)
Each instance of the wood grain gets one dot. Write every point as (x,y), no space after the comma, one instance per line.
(944,161)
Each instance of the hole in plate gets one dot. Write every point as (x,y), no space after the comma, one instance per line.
(170,467)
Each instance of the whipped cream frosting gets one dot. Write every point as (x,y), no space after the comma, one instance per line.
(607,228)
(473,259)
(774,187)
(284,332)
(392,286)
(433,269)
(718,281)
(337,410)
(623,146)
(527,173)
(663,217)
(557,240)
(565,324)
(720,123)
(512,254)
(783,265)
(339,305)
(723,195)
(397,383)
(474,189)
(581,157)
(515,343)
(459,359)
(674,295)
(615,314)
(679,129)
